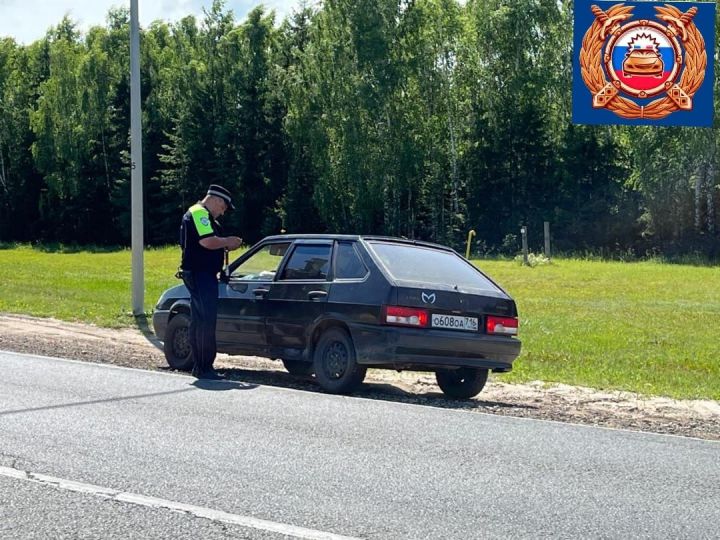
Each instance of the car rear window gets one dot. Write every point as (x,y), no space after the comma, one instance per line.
(427,265)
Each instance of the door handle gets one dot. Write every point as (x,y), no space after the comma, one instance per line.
(238,287)
(316,296)
(260,292)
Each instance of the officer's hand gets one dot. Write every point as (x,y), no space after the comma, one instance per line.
(234,242)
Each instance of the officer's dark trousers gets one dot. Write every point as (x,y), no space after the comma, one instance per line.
(203,287)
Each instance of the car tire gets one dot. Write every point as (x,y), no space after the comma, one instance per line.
(298,367)
(177,343)
(462,383)
(335,365)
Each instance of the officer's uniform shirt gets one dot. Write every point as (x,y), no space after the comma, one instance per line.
(198,223)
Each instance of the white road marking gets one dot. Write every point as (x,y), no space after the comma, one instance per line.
(153,502)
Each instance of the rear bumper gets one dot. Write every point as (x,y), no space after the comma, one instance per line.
(410,348)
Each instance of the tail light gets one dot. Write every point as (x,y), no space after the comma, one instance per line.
(405,316)
(505,326)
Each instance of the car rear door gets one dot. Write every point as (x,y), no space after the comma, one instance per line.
(456,309)
(298,297)
(456,295)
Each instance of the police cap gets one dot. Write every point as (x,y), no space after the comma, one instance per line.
(224,194)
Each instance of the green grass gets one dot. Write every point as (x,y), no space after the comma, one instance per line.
(646,327)
(84,286)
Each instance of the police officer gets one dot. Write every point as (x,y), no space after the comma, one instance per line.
(203,248)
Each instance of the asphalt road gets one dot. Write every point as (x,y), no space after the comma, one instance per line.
(128,450)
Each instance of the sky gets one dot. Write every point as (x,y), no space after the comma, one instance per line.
(29,20)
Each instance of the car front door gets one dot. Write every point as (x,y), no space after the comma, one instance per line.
(298,297)
(242,301)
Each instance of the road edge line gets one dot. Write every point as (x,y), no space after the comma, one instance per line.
(157,503)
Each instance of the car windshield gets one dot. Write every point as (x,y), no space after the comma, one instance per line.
(428,265)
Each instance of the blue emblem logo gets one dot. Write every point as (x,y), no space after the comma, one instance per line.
(643,63)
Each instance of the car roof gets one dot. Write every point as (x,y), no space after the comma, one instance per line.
(356,237)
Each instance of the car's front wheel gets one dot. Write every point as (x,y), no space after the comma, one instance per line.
(298,367)
(336,368)
(177,343)
(462,383)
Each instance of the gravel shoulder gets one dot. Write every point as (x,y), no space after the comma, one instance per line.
(139,348)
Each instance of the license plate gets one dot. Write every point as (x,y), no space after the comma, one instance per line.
(454,322)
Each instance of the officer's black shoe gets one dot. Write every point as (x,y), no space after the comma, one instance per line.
(211,374)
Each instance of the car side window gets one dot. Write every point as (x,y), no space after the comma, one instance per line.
(262,265)
(308,262)
(348,264)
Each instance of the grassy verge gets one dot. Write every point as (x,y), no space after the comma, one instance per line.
(645,327)
(84,286)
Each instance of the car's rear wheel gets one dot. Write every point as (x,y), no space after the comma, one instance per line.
(298,367)
(336,368)
(462,383)
(177,343)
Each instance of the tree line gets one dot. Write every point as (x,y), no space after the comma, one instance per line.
(414,118)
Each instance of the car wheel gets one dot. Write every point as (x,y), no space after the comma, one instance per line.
(298,367)
(463,383)
(177,343)
(336,369)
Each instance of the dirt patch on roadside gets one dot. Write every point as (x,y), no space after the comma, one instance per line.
(141,349)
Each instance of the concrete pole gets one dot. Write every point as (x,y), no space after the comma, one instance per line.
(136,208)
(547,239)
(523,232)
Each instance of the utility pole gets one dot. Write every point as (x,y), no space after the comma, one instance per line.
(136,209)
(547,239)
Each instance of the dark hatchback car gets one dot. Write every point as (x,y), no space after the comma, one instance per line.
(335,305)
